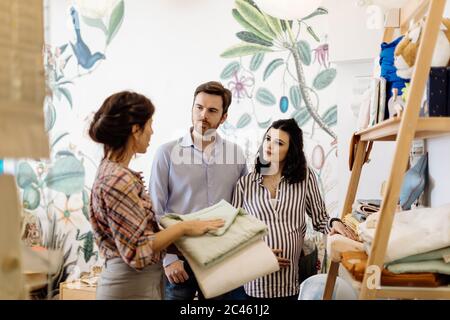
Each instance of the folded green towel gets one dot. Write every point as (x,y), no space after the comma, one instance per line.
(438,254)
(240,229)
(221,210)
(434,266)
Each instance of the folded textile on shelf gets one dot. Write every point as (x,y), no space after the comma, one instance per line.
(433,261)
(336,244)
(209,249)
(356,262)
(367,207)
(413,232)
(434,266)
(439,254)
(352,224)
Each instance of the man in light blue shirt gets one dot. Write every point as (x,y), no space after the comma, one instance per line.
(195,172)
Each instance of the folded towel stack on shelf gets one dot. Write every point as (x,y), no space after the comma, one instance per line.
(364,208)
(361,210)
(356,262)
(418,252)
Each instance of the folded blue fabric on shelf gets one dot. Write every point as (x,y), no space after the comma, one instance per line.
(414,183)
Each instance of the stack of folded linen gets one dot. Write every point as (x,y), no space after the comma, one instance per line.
(352,224)
(226,258)
(356,262)
(436,261)
(338,244)
(364,208)
(361,210)
(419,241)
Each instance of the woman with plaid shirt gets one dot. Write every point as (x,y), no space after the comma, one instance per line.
(121,215)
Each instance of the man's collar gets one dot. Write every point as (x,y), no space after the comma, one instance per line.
(187,141)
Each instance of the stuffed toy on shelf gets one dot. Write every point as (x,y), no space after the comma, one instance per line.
(406,51)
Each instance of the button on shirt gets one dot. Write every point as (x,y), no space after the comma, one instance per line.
(184,179)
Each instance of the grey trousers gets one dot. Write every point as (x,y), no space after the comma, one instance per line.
(118,281)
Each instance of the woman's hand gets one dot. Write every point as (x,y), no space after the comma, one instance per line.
(283,262)
(176,273)
(200,227)
(340,228)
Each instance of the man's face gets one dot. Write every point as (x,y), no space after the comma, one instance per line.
(207,112)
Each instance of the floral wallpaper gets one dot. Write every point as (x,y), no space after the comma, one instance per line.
(54,193)
(280,69)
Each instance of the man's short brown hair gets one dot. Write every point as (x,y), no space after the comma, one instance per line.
(217,89)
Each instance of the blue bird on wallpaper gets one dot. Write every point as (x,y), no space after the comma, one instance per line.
(84,56)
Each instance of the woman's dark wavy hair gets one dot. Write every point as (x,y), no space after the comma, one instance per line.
(294,170)
(113,122)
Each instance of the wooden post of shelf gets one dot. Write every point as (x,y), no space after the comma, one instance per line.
(349,199)
(403,144)
(331,280)
(388,34)
(354,177)
(12,281)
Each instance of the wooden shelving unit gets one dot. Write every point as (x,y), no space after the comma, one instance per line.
(425,128)
(391,292)
(403,131)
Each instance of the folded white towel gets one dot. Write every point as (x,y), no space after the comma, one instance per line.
(413,231)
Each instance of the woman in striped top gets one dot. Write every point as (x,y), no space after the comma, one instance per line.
(124,225)
(281,191)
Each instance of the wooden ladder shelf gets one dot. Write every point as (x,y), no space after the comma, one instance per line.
(403,131)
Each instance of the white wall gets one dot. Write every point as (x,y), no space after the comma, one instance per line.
(377,170)
(151,54)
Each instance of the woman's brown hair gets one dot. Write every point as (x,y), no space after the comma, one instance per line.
(113,122)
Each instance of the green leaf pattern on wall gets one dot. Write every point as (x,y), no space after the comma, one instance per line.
(54,190)
(254,18)
(252,38)
(304,51)
(281,48)
(324,79)
(271,67)
(256,61)
(31,197)
(265,97)
(95,23)
(115,21)
(330,116)
(302,116)
(66,175)
(25,175)
(244,120)
(244,49)
(296,97)
(230,70)
(247,26)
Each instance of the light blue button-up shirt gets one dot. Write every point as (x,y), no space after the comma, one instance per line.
(184,180)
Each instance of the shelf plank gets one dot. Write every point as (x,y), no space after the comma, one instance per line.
(413,292)
(391,292)
(429,127)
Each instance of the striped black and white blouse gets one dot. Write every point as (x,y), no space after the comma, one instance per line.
(286,221)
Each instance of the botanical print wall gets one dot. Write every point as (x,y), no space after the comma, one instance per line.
(275,69)
(55,195)
(280,69)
